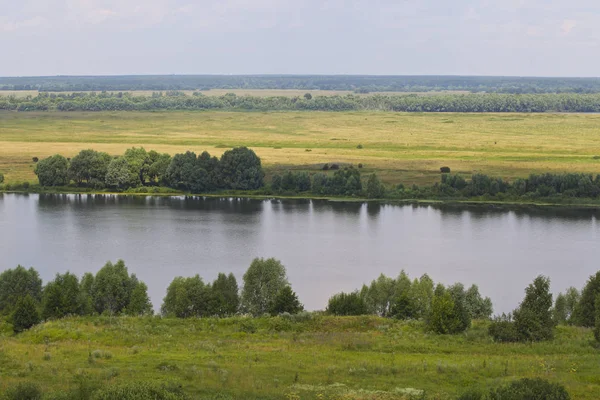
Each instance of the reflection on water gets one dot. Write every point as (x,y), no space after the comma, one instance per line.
(326,246)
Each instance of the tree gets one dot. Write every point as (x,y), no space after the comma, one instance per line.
(85,293)
(158,166)
(421,292)
(139,163)
(533,318)
(240,169)
(139,303)
(53,171)
(119,174)
(286,301)
(597,326)
(262,281)
(187,297)
(443,318)
(61,297)
(1,177)
(26,314)
(585,311)
(347,304)
(375,189)
(559,312)
(477,306)
(185,173)
(307,96)
(90,166)
(16,284)
(225,295)
(380,295)
(112,288)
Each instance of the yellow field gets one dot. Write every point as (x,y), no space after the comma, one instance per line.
(402,147)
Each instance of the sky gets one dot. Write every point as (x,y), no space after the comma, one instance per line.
(374,37)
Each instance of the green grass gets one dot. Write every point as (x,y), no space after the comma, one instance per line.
(402,147)
(326,357)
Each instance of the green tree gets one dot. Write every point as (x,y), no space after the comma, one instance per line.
(112,288)
(90,166)
(85,292)
(533,318)
(119,174)
(585,311)
(477,306)
(62,297)
(139,163)
(347,304)
(1,177)
(421,292)
(443,318)
(240,169)
(559,312)
(286,301)
(461,310)
(262,281)
(375,189)
(185,173)
(16,284)
(26,314)
(53,171)
(187,297)
(139,302)
(225,294)
(158,166)
(380,295)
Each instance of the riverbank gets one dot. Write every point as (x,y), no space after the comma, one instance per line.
(573,204)
(280,358)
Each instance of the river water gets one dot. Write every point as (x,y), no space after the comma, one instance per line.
(326,247)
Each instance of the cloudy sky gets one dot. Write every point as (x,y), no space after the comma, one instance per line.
(471,37)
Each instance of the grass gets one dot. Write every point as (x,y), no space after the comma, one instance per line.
(325,357)
(402,147)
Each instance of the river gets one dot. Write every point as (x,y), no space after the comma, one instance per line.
(327,247)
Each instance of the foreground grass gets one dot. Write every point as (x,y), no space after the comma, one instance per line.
(325,357)
(400,147)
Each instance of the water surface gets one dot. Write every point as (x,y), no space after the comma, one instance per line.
(327,247)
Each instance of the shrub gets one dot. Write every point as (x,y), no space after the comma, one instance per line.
(25,315)
(360,146)
(286,301)
(597,327)
(1,177)
(334,166)
(533,319)
(585,311)
(325,167)
(347,304)
(53,171)
(445,170)
(23,391)
(360,165)
(446,316)
(503,330)
(35,159)
(140,391)
(530,389)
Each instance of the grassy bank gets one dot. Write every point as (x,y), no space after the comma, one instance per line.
(400,147)
(316,358)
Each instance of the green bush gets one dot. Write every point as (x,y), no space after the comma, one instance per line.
(523,389)
(503,330)
(1,177)
(140,391)
(347,304)
(23,391)
(25,315)
(286,301)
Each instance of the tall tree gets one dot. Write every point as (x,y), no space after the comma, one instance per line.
(533,319)
(241,169)
(585,311)
(26,314)
(16,284)
(53,171)
(225,294)
(262,281)
(62,297)
(90,166)
(286,301)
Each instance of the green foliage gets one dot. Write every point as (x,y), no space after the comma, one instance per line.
(25,314)
(286,301)
(262,281)
(23,391)
(90,166)
(120,175)
(139,302)
(187,297)
(1,177)
(585,311)
(53,171)
(140,391)
(344,304)
(375,189)
(559,312)
(477,306)
(112,291)
(139,163)
(158,166)
(240,169)
(225,295)
(503,329)
(62,297)
(533,318)
(185,173)
(448,313)
(16,284)
(380,295)
(421,293)
(86,301)
(597,327)
(523,389)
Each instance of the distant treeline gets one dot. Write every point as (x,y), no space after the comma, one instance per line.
(490,102)
(359,83)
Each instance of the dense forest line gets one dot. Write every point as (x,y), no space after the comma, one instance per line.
(240,170)
(175,100)
(358,83)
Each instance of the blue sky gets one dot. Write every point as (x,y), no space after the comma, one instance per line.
(470,37)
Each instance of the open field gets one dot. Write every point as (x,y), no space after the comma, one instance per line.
(272,358)
(247,92)
(401,147)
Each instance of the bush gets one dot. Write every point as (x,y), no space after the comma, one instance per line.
(360,165)
(140,391)
(35,159)
(1,177)
(286,301)
(53,171)
(445,170)
(531,389)
(25,315)
(503,330)
(23,391)
(347,304)
(360,146)
(325,167)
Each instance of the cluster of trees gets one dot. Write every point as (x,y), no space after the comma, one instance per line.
(25,302)
(444,309)
(343,182)
(358,83)
(238,169)
(266,290)
(489,102)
